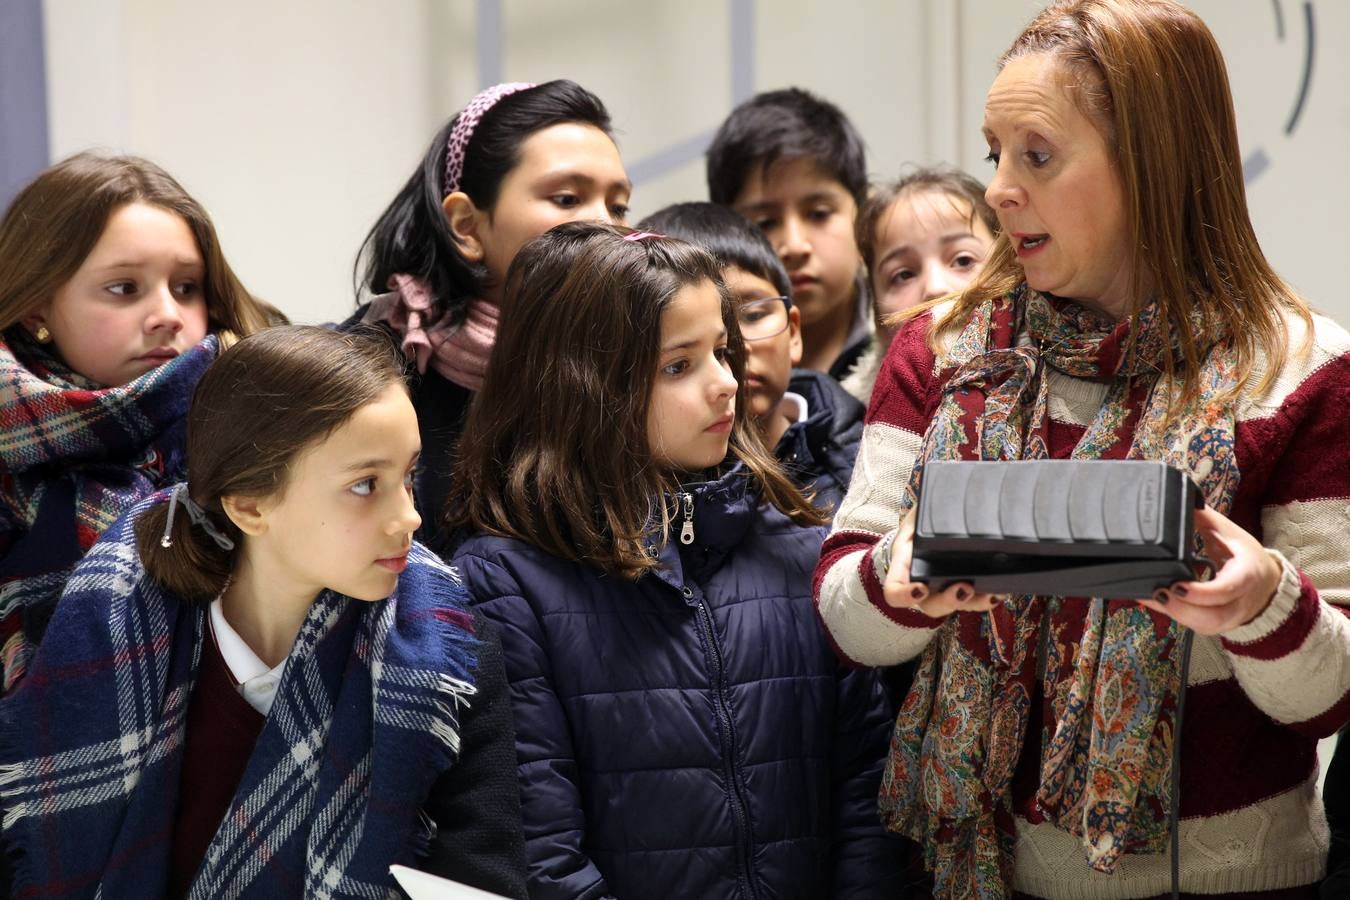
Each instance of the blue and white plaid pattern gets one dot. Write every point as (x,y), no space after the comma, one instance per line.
(91,743)
(115,446)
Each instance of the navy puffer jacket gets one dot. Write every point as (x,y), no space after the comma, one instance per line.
(819,452)
(689,734)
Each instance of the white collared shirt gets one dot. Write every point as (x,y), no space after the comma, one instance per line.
(257,683)
(793,407)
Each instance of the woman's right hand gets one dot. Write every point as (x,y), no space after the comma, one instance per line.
(901,593)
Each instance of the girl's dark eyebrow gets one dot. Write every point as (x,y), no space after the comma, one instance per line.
(750,209)
(380,462)
(582,178)
(138,263)
(951,238)
(721,336)
(368,464)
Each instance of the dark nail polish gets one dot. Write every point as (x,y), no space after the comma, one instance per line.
(1179,590)
(962,595)
(1160,596)
(917,593)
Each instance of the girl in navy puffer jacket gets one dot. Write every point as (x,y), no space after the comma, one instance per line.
(683,728)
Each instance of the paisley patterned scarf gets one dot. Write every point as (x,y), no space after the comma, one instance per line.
(1110,679)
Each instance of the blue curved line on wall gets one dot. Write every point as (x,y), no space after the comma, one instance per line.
(1258,161)
(741,15)
(1309,48)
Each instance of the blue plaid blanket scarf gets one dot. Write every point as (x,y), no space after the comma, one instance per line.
(91,743)
(89,453)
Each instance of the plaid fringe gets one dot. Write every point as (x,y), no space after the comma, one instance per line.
(106,448)
(91,743)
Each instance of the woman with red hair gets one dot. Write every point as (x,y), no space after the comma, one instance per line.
(1126,311)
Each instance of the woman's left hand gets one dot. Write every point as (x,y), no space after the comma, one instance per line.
(1240,590)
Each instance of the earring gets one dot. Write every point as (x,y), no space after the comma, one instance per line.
(43,335)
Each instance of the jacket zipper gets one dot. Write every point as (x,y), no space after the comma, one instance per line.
(687,532)
(728,750)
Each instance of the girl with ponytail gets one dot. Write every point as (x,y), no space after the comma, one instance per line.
(244,663)
(114,298)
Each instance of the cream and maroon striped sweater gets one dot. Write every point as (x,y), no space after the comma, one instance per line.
(1259,697)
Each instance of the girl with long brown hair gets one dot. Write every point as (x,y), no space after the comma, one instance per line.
(114,297)
(682,726)
(1083,747)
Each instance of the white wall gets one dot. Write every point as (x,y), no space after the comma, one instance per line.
(294,121)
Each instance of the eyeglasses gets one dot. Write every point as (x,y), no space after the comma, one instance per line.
(766,318)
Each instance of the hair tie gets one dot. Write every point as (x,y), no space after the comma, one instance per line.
(180,494)
(468,120)
(641,235)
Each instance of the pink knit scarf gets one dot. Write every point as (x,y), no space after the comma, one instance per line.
(459,351)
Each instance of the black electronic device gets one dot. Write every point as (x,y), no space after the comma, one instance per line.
(1083,528)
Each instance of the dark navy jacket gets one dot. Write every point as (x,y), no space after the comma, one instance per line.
(1336,798)
(819,452)
(689,734)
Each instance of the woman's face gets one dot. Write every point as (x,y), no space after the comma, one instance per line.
(1056,189)
(566,173)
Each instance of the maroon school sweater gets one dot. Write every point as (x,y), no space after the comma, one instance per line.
(1258,697)
(221,731)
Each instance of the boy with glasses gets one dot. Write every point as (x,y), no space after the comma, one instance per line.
(812,423)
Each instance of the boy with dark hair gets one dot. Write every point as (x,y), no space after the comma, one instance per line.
(812,423)
(794,165)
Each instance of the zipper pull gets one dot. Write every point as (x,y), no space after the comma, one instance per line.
(687,532)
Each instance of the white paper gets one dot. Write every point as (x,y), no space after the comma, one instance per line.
(424,886)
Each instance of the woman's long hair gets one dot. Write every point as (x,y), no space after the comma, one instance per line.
(1152,79)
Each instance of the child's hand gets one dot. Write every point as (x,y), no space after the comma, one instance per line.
(901,593)
(1240,590)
